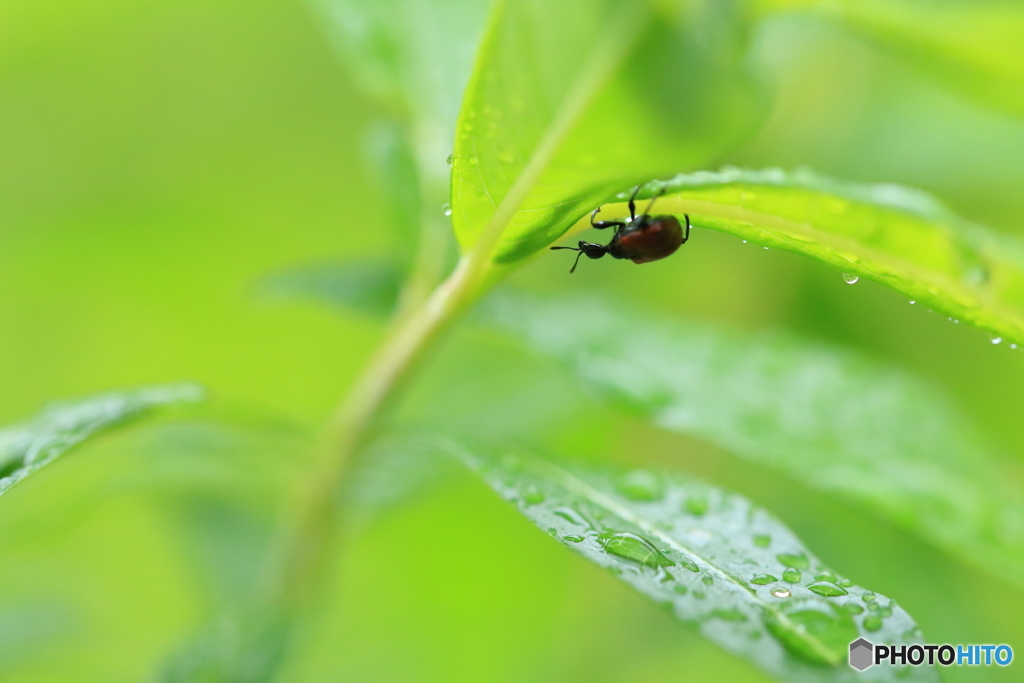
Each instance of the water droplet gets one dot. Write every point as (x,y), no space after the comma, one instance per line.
(679,588)
(827,589)
(1013,346)
(781,592)
(872,623)
(697,505)
(912,302)
(635,548)
(763,579)
(816,631)
(450,160)
(699,594)
(446,208)
(868,596)
(791,575)
(567,515)
(553,532)
(573,539)
(874,607)
(762,540)
(744,241)
(795,560)
(766,248)
(641,486)
(825,575)
(850,279)
(533,495)
(690,565)
(845,583)
(997,340)
(853,608)
(885,612)
(707,580)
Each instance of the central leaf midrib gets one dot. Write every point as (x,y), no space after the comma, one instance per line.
(589,492)
(610,49)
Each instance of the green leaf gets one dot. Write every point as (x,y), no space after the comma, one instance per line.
(711,558)
(234,649)
(828,418)
(28,447)
(367,286)
(570,102)
(894,235)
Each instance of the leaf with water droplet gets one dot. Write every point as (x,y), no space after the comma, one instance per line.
(791,575)
(834,420)
(28,447)
(793,633)
(894,235)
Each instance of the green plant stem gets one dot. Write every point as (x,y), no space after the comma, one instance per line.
(303,557)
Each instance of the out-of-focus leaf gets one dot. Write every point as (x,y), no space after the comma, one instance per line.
(710,557)
(900,237)
(26,629)
(27,447)
(572,101)
(828,418)
(370,287)
(974,46)
(247,649)
(393,164)
(415,55)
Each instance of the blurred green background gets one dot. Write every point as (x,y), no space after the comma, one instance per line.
(157,157)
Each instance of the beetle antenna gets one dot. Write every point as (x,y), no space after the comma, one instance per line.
(576,262)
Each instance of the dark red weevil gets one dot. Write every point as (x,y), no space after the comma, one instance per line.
(641,239)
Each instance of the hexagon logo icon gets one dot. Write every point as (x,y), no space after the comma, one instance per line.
(861,652)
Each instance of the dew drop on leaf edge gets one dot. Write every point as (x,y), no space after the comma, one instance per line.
(850,279)
(446,208)
(450,160)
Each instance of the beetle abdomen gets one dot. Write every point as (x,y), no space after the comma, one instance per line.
(660,237)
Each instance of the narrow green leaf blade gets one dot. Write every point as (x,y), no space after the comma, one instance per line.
(894,235)
(571,101)
(28,447)
(829,418)
(712,558)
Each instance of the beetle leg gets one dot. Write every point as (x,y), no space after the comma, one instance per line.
(601,225)
(632,203)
